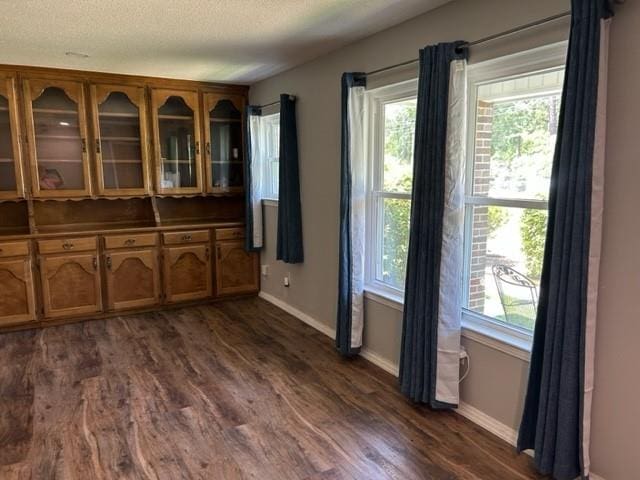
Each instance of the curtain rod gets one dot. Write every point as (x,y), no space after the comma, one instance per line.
(277,102)
(489,38)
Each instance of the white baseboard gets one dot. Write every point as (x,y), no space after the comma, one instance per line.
(487,422)
(478,417)
(312,322)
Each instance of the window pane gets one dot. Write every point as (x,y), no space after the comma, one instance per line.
(395,241)
(516,125)
(399,131)
(272,162)
(507,247)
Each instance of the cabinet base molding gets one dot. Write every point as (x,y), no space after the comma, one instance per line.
(105,315)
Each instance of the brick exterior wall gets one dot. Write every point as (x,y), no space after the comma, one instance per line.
(481,178)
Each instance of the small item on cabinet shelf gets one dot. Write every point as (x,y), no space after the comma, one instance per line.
(50,178)
(235,153)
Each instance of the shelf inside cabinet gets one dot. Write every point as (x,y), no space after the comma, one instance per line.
(175,117)
(14,218)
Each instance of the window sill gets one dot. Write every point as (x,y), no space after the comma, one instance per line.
(270,202)
(474,327)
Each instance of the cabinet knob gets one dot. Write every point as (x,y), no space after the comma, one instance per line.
(197,148)
(129,241)
(109,262)
(186,238)
(207,253)
(208,149)
(95,263)
(67,245)
(84,145)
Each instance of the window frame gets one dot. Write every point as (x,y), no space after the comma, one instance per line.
(375,100)
(268,194)
(544,59)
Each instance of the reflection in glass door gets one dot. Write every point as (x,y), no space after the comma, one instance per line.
(224,148)
(178,142)
(121,143)
(10,174)
(58,143)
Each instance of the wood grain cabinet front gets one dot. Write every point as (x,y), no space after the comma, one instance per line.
(17,300)
(133,279)
(187,272)
(236,269)
(70,284)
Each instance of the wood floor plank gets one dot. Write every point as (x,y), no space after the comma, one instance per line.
(234,390)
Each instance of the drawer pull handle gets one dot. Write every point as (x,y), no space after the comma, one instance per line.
(109,262)
(207,254)
(186,238)
(67,245)
(98,149)
(129,241)
(197,148)
(84,145)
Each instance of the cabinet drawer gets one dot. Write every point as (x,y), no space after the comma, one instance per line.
(175,238)
(14,249)
(229,233)
(130,241)
(65,245)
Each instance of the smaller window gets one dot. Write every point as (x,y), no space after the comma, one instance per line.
(271,164)
(390,131)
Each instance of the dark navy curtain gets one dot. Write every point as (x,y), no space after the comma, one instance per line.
(349,320)
(419,353)
(289,248)
(250,197)
(554,413)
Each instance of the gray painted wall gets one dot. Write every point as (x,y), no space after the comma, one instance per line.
(497,381)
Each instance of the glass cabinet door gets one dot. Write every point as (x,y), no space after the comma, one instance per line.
(121,139)
(177,141)
(10,162)
(57,138)
(224,143)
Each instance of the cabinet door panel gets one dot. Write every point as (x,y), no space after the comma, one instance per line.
(70,285)
(187,273)
(176,130)
(236,269)
(17,304)
(120,127)
(133,279)
(57,131)
(11,175)
(224,142)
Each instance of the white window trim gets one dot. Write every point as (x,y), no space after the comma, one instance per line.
(547,58)
(374,146)
(270,196)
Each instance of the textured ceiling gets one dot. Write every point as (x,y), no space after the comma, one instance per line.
(223,40)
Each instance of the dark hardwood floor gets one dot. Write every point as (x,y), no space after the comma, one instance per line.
(233,390)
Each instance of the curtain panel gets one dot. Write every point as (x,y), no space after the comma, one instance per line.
(255,154)
(350,320)
(289,246)
(429,358)
(557,411)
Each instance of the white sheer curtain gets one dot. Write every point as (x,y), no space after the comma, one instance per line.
(257,139)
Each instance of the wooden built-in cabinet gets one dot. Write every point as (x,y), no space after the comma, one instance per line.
(17,298)
(236,269)
(187,266)
(70,277)
(133,278)
(11,173)
(57,138)
(119,120)
(118,194)
(176,130)
(224,142)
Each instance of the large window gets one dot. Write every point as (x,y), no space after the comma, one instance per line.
(392,113)
(513,111)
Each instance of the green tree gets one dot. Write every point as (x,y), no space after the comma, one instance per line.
(497,216)
(399,132)
(533,230)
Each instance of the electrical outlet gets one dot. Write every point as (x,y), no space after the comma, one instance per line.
(286,281)
(463,353)
(264,269)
